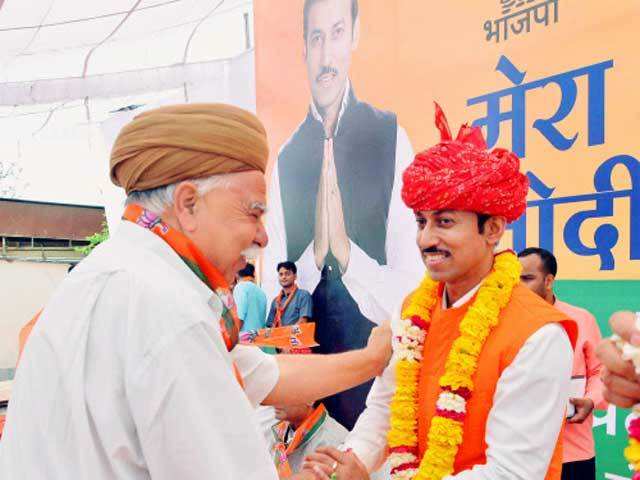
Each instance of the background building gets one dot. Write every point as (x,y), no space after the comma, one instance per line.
(39,241)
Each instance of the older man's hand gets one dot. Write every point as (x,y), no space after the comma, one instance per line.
(379,347)
(328,463)
(622,385)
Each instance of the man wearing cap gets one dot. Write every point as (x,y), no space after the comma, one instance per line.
(132,371)
(478,383)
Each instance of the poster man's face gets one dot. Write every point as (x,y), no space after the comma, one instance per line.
(328,46)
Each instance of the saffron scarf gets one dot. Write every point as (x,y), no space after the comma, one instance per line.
(282,449)
(280,309)
(197,263)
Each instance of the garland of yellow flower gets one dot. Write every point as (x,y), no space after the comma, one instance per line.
(446,430)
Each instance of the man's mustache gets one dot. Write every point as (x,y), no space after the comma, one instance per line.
(433,250)
(326,69)
(252,253)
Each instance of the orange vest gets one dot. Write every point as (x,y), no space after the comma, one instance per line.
(523,316)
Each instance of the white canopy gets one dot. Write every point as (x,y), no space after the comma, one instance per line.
(66,67)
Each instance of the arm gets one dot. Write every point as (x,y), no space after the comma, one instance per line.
(186,401)
(528,410)
(595,387)
(377,288)
(368,439)
(305,378)
(306,307)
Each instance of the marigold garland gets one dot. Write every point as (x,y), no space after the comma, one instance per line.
(446,430)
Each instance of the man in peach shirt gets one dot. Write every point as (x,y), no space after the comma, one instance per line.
(539,269)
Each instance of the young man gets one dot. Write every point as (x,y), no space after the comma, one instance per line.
(133,367)
(250,300)
(539,269)
(479,380)
(292,305)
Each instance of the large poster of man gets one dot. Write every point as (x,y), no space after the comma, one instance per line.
(339,82)
(335,205)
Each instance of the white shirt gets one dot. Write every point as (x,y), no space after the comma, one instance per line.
(524,421)
(376,288)
(126,376)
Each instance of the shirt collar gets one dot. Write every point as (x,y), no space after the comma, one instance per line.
(462,300)
(345,101)
(143,238)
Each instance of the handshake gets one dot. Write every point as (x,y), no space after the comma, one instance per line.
(329,463)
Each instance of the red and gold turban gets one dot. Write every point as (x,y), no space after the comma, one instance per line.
(462,174)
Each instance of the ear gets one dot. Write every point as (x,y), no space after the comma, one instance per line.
(548,281)
(185,198)
(355,36)
(494,229)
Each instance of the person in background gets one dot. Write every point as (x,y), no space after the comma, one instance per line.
(539,270)
(292,305)
(250,300)
(301,429)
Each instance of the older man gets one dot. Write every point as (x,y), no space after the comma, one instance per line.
(480,375)
(132,371)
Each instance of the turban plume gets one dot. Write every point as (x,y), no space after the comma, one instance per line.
(180,142)
(462,174)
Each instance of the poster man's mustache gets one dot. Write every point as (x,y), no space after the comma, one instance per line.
(325,70)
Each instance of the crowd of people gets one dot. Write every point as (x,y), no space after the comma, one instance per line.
(133,369)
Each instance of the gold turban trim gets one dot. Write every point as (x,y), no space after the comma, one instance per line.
(178,142)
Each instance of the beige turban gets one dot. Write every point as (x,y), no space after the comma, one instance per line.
(178,142)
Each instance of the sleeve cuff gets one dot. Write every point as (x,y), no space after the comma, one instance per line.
(259,371)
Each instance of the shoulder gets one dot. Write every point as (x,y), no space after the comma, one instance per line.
(297,142)
(366,109)
(577,313)
(331,434)
(304,294)
(528,306)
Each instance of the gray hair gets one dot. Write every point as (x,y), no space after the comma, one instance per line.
(157,199)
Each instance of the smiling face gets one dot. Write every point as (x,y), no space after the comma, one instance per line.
(329,43)
(286,277)
(454,248)
(225,222)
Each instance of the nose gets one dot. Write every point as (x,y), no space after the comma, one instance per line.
(261,238)
(325,54)
(427,238)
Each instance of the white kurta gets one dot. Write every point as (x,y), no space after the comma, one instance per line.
(126,376)
(524,421)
